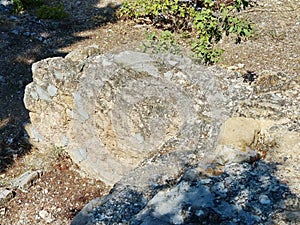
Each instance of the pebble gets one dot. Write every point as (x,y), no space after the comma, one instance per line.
(13,18)
(2,79)
(264,199)
(27,34)
(40,38)
(46,216)
(15,32)
(5,195)
(2,211)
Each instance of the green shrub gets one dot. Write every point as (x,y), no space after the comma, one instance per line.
(163,43)
(43,11)
(55,12)
(206,24)
(21,5)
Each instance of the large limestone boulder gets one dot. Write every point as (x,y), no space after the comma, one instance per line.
(174,138)
(110,112)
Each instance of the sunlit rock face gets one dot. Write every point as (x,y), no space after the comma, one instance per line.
(110,112)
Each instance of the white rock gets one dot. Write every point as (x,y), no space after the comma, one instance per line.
(26,180)
(46,216)
(264,199)
(5,195)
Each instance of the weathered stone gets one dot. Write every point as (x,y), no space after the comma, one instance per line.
(46,216)
(26,180)
(275,96)
(242,139)
(81,54)
(286,154)
(240,132)
(110,112)
(225,154)
(264,199)
(5,195)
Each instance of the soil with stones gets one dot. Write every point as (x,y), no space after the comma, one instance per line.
(60,192)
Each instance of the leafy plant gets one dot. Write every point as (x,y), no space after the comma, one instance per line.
(163,43)
(55,12)
(43,11)
(21,5)
(206,22)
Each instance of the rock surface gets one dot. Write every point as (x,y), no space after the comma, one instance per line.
(5,195)
(184,143)
(112,111)
(26,180)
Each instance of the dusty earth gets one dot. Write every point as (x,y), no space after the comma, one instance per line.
(60,192)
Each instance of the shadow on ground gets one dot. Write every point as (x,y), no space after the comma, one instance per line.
(245,194)
(25,39)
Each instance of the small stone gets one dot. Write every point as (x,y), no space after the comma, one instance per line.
(264,199)
(40,38)
(226,154)
(13,18)
(43,95)
(26,33)
(2,79)
(46,216)
(26,180)
(6,2)
(52,90)
(200,213)
(240,65)
(139,137)
(232,67)
(2,211)
(205,181)
(5,195)
(168,75)
(15,31)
